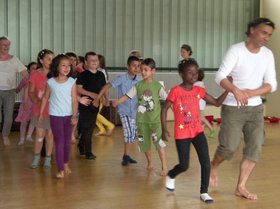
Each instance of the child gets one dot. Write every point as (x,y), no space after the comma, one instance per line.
(188,129)
(89,83)
(101,121)
(25,108)
(148,93)
(127,110)
(202,104)
(62,95)
(186,51)
(37,83)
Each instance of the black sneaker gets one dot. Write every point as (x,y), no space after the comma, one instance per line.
(81,150)
(131,160)
(90,156)
(127,159)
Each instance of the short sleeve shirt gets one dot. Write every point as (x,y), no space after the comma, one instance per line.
(148,96)
(61,97)
(8,70)
(39,80)
(187,122)
(124,83)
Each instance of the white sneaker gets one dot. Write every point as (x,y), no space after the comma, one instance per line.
(206,198)
(169,183)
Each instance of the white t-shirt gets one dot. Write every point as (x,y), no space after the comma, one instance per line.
(248,70)
(8,73)
(61,97)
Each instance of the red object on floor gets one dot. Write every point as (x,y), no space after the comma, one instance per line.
(218,120)
(210,118)
(271,119)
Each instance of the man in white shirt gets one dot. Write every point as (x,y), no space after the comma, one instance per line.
(252,68)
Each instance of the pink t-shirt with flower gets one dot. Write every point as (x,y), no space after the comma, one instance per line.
(187,122)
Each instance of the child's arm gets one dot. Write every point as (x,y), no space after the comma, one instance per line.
(74,118)
(120,100)
(129,95)
(165,133)
(216,101)
(103,91)
(31,93)
(25,97)
(82,91)
(45,99)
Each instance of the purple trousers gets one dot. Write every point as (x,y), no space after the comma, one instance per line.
(62,129)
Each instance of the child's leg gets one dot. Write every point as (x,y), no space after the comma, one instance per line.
(29,132)
(208,125)
(58,134)
(67,141)
(148,155)
(23,126)
(162,157)
(73,137)
(102,121)
(201,147)
(39,137)
(99,124)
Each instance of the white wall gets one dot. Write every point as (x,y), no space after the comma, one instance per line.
(270,9)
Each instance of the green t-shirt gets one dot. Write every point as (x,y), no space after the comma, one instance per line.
(148,96)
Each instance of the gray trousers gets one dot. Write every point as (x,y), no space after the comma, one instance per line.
(7,99)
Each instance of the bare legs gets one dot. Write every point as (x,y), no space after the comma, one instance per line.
(162,157)
(246,168)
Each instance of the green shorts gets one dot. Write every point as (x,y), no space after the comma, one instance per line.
(148,133)
(247,120)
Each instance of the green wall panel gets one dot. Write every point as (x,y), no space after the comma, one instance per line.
(114,27)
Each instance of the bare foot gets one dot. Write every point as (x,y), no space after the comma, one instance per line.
(60,175)
(109,132)
(163,172)
(67,170)
(6,141)
(150,167)
(100,134)
(214,177)
(243,192)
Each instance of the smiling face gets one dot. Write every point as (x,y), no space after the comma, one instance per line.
(4,46)
(64,67)
(92,62)
(133,68)
(147,72)
(190,74)
(46,61)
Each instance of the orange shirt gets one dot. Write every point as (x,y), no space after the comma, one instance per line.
(187,122)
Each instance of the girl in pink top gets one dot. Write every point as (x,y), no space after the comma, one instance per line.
(188,129)
(25,108)
(37,85)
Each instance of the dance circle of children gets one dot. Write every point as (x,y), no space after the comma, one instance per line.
(63,104)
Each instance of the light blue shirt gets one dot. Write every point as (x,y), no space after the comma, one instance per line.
(124,83)
(60,97)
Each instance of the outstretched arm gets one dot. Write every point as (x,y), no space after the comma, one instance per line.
(216,101)
(104,91)
(120,100)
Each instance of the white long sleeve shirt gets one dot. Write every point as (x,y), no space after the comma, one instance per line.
(248,70)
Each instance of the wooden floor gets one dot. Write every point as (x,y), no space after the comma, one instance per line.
(105,184)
